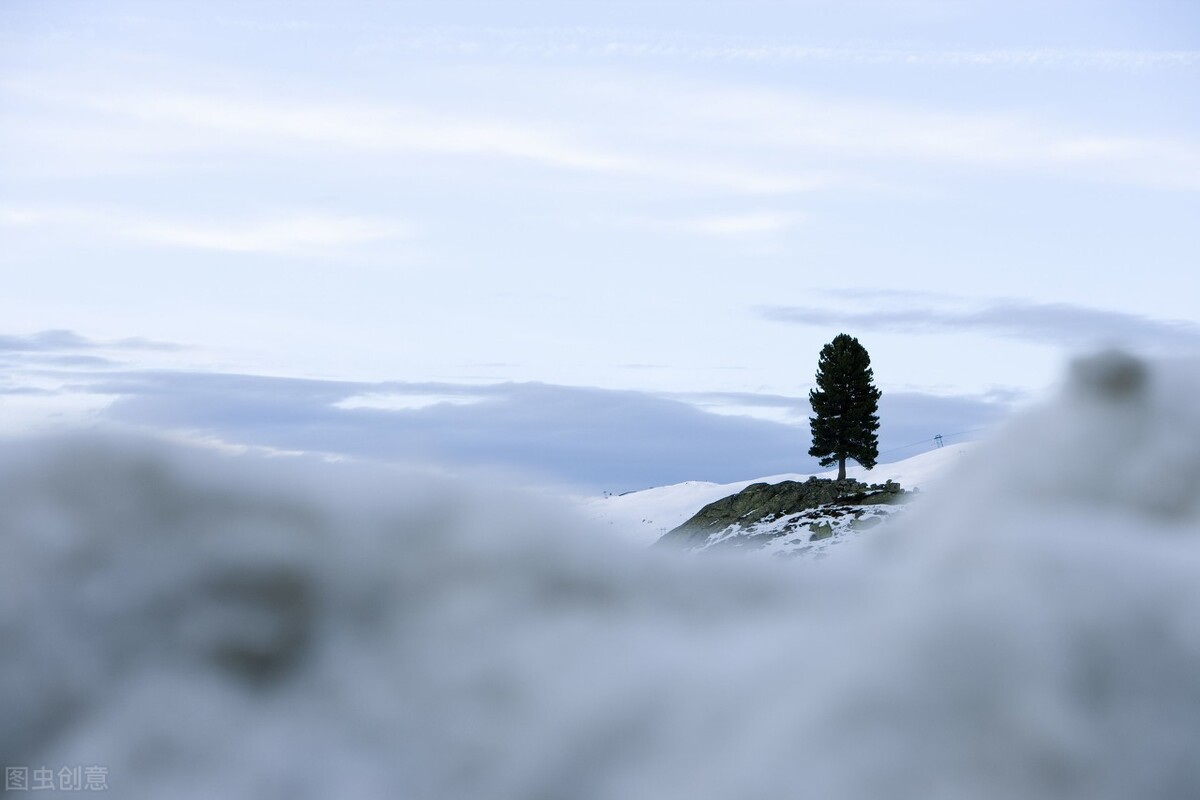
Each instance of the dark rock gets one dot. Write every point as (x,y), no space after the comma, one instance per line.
(760,502)
(820,531)
(864,523)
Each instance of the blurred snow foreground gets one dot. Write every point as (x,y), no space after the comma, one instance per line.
(218,627)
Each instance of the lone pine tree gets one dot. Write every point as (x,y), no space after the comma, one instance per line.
(845,403)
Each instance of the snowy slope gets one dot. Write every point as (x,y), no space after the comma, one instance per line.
(646,515)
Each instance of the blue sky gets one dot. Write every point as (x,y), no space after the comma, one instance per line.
(415,231)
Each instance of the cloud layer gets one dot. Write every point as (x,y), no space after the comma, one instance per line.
(1055,324)
(585,436)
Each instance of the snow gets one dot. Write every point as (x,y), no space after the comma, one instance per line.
(644,516)
(792,536)
(207,625)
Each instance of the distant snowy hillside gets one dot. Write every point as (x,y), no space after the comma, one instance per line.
(644,516)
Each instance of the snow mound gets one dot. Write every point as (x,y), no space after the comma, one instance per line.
(219,627)
(644,516)
(809,533)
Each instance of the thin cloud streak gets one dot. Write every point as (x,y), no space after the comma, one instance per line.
(370,128)
(1059,324)
(798,125)
(296,236)
(308,234)
(387,129)
(558,43)
(66,341)
(179,123)
(794,125)
(746,224)
(726,137)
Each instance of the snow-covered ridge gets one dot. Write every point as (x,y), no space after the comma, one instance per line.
(790,518)
(644,516)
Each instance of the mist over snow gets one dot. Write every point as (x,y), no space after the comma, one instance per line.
(208,626)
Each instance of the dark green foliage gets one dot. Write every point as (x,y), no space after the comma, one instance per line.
(845,403)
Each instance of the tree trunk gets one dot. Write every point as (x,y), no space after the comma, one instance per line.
(842,468)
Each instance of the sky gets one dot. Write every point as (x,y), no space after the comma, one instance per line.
(589,243)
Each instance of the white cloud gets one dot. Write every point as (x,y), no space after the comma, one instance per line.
(306,234)
(741,224)
(22,217)
(735,225)
(289,236)
(800,127)
(782,416)
(1046,324)
(366,127)
(679,133)
(576,43)
(395,401)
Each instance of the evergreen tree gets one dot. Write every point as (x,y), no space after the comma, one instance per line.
(845,403)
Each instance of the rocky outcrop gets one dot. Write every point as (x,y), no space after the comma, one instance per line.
(763,512)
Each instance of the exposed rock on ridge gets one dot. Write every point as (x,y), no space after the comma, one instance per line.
(806,511)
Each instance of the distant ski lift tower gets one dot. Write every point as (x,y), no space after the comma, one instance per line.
(938,439)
